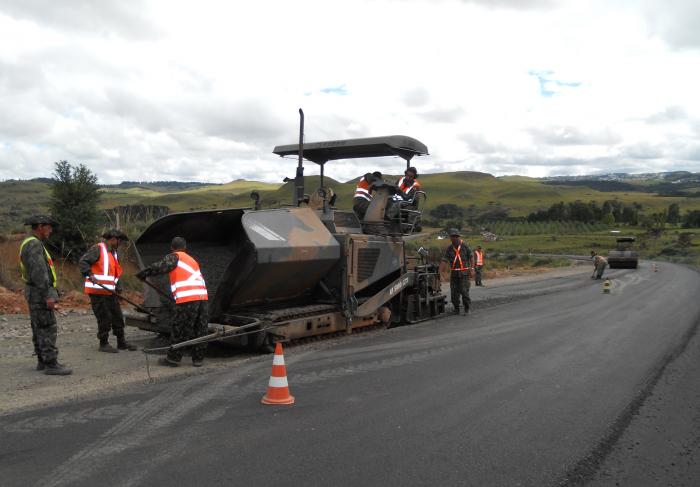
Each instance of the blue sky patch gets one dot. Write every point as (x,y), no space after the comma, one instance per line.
(548,83)
(335,90)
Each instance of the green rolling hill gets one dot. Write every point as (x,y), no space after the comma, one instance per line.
(516,195)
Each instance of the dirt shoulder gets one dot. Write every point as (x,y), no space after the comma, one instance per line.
(23,387)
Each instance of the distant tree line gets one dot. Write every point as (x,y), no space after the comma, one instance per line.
(612,211)
(602,185)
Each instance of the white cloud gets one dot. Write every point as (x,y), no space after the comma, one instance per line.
(162,89)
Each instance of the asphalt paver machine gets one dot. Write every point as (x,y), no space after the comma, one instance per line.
(300,271)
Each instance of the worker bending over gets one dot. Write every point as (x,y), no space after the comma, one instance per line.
(599,265)
(363,193)
(191,319)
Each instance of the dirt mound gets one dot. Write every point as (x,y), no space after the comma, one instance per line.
(13,302)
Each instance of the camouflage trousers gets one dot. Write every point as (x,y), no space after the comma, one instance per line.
(459,287)
(359,206)
(599,269)
(191,320)
(108,314)
(44,332)
(477,275)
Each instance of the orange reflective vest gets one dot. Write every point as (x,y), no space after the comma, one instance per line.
(106,271)
(362,190)
(479,257)
(404,186)
(458,259)
(186,281)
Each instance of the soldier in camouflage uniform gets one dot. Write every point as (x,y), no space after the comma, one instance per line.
(39,274)
(460,258)
(102,259)
(191,317)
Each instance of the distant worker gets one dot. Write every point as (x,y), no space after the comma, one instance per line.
(478,265)
(102,271)
(363,193)
(409,184)
(599,265)
(461,261)
(191,318)
(39,274)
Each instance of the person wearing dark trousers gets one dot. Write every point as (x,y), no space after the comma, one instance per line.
(461,261)
(478,265)
(101,268)
(189,291)
(599,265)
(39,275)
(363,193)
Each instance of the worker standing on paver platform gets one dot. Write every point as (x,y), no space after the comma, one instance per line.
(599,265)
(101,269)
(191,319)
(461,261)
(39,274)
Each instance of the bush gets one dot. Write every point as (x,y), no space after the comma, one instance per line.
(74,198)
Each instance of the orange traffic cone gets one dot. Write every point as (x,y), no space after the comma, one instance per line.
(278,389)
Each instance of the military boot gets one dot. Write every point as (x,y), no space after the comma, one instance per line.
(122,344)
(106,347)
(40,364)
(54,368)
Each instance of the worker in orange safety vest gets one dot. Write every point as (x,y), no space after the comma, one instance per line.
(189,291)
(101,268)
(478,265)
(363,193)
(409,184)
(461,261)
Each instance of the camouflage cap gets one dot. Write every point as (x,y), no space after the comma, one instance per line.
(115,232)
(40,220)
(453,231)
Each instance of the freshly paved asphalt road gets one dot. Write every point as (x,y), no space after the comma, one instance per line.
(534,388)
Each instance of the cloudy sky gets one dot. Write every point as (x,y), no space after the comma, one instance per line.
(203,91)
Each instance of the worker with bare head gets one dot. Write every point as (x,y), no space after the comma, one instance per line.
(409,184)
(178,243)
(189,291)
(39,274)
(102,271)
(599,265)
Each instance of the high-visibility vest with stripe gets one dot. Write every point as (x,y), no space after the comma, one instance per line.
(362,190)
(105,271)
(186,281)
(479,257)
(405,187)
(458,259)
(49,260)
